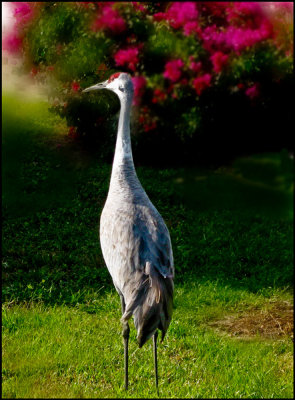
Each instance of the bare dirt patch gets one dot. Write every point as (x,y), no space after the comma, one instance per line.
(274,321)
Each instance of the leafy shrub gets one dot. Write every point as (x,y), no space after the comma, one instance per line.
(212,79)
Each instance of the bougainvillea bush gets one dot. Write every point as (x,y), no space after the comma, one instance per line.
(212,79)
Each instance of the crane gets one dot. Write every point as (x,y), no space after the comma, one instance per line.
(134,239)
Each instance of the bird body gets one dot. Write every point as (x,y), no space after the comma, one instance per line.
(135,241)
(137,251)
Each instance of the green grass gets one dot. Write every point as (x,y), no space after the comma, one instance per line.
(231,231)
(65,351)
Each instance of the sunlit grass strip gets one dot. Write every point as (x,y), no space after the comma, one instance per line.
(67,352)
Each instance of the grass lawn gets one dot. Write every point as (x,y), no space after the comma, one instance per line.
(231,230)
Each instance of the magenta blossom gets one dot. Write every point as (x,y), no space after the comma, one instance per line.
(139,83)
(109,19)
(239,39)
(22,11)
(159,96)
(201,83)
(127,58)
(235,38)
(191,27)
(195,66)
(137,6)
(216,8)
(253,91)
(75,86)
(219,60)
(11,43)
(250,12)
(159,16)
(173,70)
(179,13)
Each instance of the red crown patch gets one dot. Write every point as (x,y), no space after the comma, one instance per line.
(114,76)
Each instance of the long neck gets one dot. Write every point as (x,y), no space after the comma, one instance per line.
(124,179)
(123,151)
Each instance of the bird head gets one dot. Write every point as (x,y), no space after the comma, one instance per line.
(119,83)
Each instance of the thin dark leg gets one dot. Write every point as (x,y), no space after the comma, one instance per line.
(155,359)
(125,333)
(122,303)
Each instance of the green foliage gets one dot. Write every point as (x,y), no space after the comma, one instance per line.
(57,24)
(82,58)
(261,64)
(64,47)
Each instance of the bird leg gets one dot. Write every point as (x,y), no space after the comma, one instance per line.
(126,331)
(122,303)
(125,334)
(155,359)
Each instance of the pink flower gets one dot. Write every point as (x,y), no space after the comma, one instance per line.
(212,38)
(138,6)
(195,66)
(109,19)
(201,83)
(21,8)
(235,38)
(151,126)
(127,58)
(215,8)
(191,27)
(219,60)
(179,13)
(159,96)
(34,71)
(172,70)
(139,83)
(22,13)
(159,16)
(248,12)
(75,86)
(11,43)
(253,91)
(73,132)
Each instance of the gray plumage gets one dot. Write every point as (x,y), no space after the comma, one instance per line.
(134,239)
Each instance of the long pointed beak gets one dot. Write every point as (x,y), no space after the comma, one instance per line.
(98,86)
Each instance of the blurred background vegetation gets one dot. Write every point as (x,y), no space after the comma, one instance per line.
(213,80)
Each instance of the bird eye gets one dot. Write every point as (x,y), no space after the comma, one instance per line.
(121,88)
